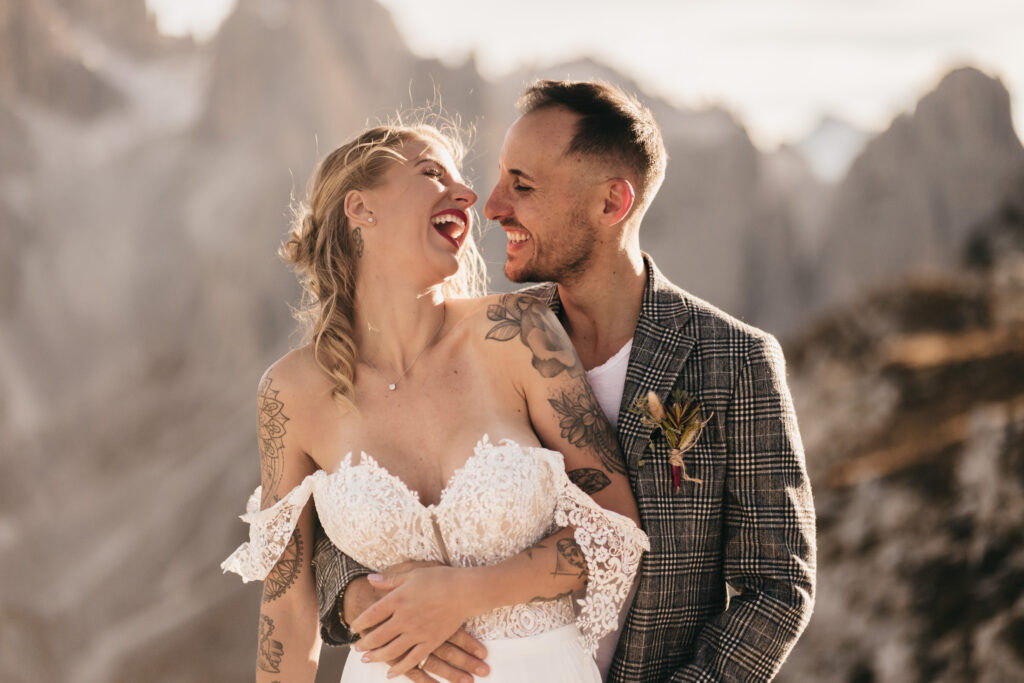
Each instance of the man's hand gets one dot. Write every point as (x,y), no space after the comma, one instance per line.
(451,660)
(422,613)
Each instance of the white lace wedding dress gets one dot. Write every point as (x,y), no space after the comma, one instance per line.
(503,500)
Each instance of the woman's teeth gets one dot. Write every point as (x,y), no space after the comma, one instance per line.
(450,219)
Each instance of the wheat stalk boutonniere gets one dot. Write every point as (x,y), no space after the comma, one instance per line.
(680,421)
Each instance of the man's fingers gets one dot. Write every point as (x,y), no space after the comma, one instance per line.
(469,644)
(458,658)
(446,671)
(418,676)
(408,661)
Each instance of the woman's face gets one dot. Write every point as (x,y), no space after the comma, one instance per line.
(421,212)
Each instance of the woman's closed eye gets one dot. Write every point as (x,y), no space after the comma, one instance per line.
(433,172)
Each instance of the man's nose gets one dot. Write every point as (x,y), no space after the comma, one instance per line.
(496,207)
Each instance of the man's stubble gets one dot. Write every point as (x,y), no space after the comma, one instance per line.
(565,258)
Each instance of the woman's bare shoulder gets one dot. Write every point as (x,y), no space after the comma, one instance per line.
(296,375)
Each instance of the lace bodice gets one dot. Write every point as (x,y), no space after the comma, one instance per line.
(504,499)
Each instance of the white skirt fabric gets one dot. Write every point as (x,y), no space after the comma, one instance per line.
(555,656)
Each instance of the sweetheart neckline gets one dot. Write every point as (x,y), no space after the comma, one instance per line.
(367,460)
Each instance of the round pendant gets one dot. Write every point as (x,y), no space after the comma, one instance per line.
(392,386)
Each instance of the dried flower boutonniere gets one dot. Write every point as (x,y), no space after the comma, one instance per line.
(680,421)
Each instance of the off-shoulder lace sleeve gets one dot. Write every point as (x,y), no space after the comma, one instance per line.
(269,531)
(612,546)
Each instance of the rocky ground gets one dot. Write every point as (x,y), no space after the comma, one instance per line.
(911,403)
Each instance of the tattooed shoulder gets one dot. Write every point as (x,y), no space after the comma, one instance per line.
(528,319)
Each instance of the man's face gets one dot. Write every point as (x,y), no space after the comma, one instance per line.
(541,199)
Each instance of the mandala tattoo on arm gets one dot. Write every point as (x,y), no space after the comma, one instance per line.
(583,424)
(272,422)
(270,651)
(284,574)
(570,560)
(533,323)
(589,479)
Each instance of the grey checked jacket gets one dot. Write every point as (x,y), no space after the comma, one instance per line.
(749,523)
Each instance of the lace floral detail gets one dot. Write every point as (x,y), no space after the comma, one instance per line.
(612,546)
(504,499)
(269,531)
(520,621)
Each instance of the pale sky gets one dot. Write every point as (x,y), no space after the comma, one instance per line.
(779,65)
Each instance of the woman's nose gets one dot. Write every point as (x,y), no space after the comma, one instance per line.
(464,193)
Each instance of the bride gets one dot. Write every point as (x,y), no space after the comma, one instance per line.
(433,426)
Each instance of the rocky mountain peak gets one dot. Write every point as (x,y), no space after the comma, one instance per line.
(921,186)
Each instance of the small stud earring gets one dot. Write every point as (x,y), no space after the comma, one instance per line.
(371,219)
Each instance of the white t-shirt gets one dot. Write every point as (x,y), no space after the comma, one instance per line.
(608,381)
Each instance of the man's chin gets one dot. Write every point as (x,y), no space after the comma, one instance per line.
(520,275)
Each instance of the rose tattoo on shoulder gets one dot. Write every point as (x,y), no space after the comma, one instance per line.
(535,325)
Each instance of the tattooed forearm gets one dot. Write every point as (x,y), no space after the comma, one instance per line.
(589,479)
(583,425)
(283,574)
(570,560)
(270,651)
(537,328)
(271,439)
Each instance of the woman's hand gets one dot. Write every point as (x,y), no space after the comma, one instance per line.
(425,607)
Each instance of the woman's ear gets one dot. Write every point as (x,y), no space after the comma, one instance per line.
(618,200)
(356,209)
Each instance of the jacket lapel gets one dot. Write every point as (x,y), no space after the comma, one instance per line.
(661,344)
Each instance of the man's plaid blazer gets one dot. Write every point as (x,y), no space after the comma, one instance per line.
(749,523)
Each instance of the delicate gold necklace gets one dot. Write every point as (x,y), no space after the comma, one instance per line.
(394,385)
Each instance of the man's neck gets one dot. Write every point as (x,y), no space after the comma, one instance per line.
(600,309)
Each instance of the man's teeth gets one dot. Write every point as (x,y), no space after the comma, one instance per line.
(517,236)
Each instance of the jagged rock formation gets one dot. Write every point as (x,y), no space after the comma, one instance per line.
(919,187)
(144,187)
(38,62)
(912,408)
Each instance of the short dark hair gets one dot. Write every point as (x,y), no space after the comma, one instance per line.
(613,125)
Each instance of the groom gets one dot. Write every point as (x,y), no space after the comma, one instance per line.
(578,170)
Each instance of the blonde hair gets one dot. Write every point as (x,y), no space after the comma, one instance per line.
(322,250)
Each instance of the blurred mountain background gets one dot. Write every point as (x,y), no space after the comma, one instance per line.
(144,187)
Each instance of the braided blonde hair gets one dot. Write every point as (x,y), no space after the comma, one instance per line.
(322,250)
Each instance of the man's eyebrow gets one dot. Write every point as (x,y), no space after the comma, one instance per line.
(520,174)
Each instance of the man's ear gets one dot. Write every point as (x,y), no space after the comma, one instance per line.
(619,197)
(356,209)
